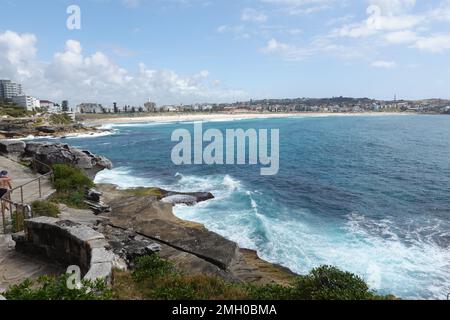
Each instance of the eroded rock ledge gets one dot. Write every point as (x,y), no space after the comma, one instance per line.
(190,246)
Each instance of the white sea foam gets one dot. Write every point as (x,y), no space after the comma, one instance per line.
(368,247)
(123,178)
(90,134)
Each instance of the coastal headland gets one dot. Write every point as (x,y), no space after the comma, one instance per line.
(139,218)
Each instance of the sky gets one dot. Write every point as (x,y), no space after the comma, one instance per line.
(194,51)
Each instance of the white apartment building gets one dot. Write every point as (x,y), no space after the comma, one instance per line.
(9,89)
(28,102)
(50,106)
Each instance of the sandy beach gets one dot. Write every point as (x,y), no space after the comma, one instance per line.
(222,117)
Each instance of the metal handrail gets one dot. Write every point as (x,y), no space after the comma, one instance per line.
(6,198)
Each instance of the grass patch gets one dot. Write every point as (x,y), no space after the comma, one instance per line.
(157,279)
(45,208)
(147,192)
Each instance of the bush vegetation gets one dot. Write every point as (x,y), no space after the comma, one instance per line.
(60,119)
(157,279)
(45,208)
(13,110)
(70,184)
(55,288)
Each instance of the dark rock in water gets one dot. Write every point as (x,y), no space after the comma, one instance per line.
(190,198)
(180,199)
(12,148)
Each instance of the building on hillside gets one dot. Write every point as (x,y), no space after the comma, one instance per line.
(91,108)
(65,106)
(168,109)
(50,106)
(28,102)
(9,89)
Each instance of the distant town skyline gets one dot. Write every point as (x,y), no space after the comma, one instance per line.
(214,51)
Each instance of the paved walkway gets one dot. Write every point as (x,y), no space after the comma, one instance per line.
(16,267)
(21,175)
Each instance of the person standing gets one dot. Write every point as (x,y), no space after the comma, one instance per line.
(5,183)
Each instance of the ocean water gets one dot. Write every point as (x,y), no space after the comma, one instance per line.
(370,195)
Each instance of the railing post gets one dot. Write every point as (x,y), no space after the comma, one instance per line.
(3,216)
(40,189)
(17,219)
(21,194)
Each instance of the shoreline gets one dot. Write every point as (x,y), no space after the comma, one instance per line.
(227,117)
(158,221)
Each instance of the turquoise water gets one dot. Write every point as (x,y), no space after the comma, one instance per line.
(370,195)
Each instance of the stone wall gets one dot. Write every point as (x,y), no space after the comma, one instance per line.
(68,243)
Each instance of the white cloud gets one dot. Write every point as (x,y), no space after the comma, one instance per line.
(252,15)
(297,7)
(78,77)
(435,43)
(291,52)
(396,22)
(383,15)
(16,51)
(401,37)
(384,64)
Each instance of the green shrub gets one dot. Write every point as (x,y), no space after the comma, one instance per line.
(69,179)
(45,208)
(55,288)
(70,184)
(330,283)
(151,267)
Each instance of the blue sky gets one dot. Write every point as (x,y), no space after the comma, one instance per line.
(184,51)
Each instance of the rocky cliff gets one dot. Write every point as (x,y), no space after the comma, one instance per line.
(54,153)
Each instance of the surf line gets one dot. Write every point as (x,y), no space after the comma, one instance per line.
(228,148)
